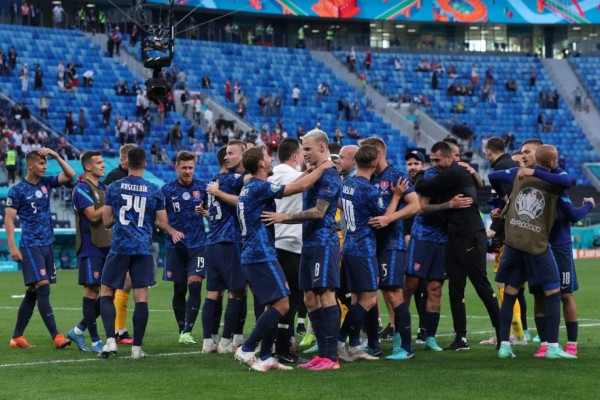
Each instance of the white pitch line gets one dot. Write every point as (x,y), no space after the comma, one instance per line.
(83,360)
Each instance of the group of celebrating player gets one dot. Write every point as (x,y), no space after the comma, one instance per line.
(274,231)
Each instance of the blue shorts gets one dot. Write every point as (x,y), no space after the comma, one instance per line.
(223,267)
(319,268)
(392,264)
(267,281)
(517,266)
(426,260)
(38,264)
(140,268)
(183,263)
(90,270)
(566,268)
(362,273)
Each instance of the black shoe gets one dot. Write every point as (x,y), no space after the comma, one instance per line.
(387,333)
(124,338)
(301,329)
(460,343)
(420,336)
(290,358)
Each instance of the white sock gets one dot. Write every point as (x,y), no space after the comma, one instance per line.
(136,349)
(77,331)
(95,343)
(238,339)
(122,331)
(208,342)
(225,341)
(215,338)
(573,343)
(552,344)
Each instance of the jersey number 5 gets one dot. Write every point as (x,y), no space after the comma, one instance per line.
(139,205)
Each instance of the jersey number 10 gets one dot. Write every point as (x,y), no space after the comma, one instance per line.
(349,215)
(139,205)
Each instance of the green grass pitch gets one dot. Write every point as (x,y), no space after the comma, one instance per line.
(179,371)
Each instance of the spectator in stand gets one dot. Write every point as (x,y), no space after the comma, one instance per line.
(38,76)
(175,136)
(352,133)
(69,124)
(42,136)
(110,46)
(135,35)
(368,59)
(532,76)
(540,121)
(57,15)
(347,111)
(123,128)
(181,79)
(106,111)
(163,156)
(296,95)
(206,82)
(435,82)
(88,78)
(489,75)
(338,136)
(510,141)
(82,121)
(43,105)
(24,77)
(459,107)
(398,64)
(355,110)
(474,75)
(340,108)
(14,11)
(118,39)
(577,96)
(154,149)
(12,58)
(237,92)
(262,104)
(208,119)
(106,148)
(198,149)
(170,101)
(277,105)
(549,125)
(587,105)
(511,85)
(184,98)
(228,91)
(351,59)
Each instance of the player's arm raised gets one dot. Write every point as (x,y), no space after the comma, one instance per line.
(68,173)
(9,225)
(162,222)
(213,189)
(307,180)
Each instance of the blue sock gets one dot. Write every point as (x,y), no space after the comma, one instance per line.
(239,327)
(540,325)
(330,321)
(371,328)
(208,312)
(258,308)
(179,303)
(25,313)
(192,307)
(523,304)
(315,320)
(553,303)
(89,317)
(45,309)
(140,321)
(572,328)
(97,313)
(232,317)
(352,323)
(506,316)
(432,320)
(265,329)
(109,313)
(402,322)
(216,322)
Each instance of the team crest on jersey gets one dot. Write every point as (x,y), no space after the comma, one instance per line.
(44,190)
(38,194)
(169,274)
(43,271)
(275,188)
(417,266)
(96,274)
(286,285)
(185,195)
(8,202)
(385,185)
(196,194)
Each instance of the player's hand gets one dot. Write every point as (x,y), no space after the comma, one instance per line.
(467,166)
(400,187)
(495,213)
(44,151)
(270,218)
(177,236)
(523,172)
(327,164)
(200,210)
(213,188)
(407,239)
(589,200)
(490,233)
(15,254)
(380,222)
(459,201)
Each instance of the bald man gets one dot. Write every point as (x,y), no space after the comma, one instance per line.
(347,166)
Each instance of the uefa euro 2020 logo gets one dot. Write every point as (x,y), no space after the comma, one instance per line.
(530,203)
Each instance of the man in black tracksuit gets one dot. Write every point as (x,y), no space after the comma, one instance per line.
(467,243)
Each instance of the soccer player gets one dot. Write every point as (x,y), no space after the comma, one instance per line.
(30,200)
(288,242)
(362,201)
(93,241)
(259,256)
(185,259)
(499,160)
(122,294)
(223,247)
(320,260)
(391,250)
(467,243)
(530,216)
(132,206)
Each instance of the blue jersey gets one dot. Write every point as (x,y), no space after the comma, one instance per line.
(134,203)
(223,225)
(180,203)
(361,201)
(32,203)
(82,199)
(322,232)
(560,235)
(392,236)
(258,240)
(430,227)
